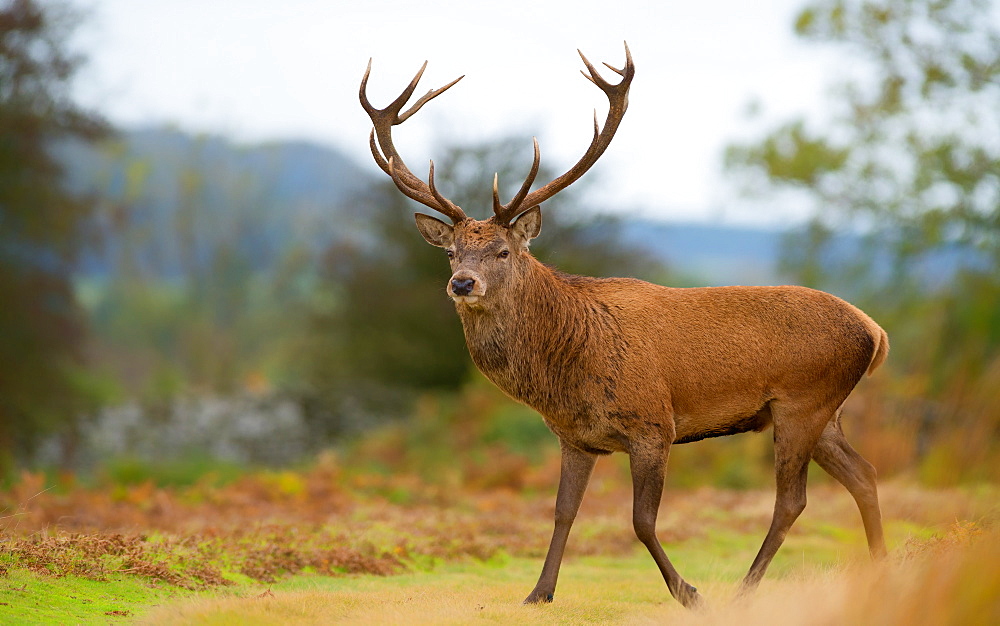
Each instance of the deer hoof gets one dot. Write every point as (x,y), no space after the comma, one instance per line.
(690,598)
(539,598)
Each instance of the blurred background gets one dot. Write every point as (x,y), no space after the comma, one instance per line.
(191,223)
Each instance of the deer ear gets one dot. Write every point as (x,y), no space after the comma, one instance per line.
(528,225)
(436,232)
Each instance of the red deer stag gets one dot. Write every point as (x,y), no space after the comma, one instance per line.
(622,365)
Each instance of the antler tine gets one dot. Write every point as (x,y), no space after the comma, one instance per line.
(388,158)
(628,62)
(427,97)
(618,103)
(497,207)
(396,105)
(365,104)
(526,186)
(444,202)
(594,76)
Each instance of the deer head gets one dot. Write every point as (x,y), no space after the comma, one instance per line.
(486,255)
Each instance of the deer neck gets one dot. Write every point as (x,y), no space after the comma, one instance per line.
(536,329)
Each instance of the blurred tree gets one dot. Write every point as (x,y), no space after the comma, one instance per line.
(42,385)
(913,145)
(910,155)
(200,265)
(383,327)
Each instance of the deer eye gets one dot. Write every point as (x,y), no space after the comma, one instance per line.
(504,254)
(450,253)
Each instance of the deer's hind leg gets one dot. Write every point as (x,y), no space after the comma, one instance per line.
(796,432)
(835,455)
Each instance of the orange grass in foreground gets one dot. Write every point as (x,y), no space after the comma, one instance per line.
(952,580)
(949,580)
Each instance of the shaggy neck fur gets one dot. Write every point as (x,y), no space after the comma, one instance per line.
(532,336)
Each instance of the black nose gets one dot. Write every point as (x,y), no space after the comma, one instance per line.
(462,286)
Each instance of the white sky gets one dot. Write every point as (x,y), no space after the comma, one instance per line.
(276,69)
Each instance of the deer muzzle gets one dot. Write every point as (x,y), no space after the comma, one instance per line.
(466,287)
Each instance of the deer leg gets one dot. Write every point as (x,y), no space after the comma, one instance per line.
(575,471)
(835,455)
(648,465)
(793,447)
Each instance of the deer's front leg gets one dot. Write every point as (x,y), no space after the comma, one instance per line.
(575,471)
(648,461)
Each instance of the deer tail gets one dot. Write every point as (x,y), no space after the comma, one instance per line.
(881,348)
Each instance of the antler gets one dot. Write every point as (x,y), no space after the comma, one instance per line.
(391,163)
(618,101)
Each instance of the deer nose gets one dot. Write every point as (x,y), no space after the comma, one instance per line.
(462,286)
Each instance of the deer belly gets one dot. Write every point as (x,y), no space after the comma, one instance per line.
(696,428)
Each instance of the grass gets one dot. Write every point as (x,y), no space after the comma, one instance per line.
(324,544)
(453,593)
(30,598)
(953,584)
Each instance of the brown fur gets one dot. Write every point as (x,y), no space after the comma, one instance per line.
(622,365)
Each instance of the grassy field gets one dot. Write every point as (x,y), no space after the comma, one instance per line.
(943,588)
(323,544)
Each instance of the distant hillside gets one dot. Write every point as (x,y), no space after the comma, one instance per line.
(291,171)
(710,255)
(703,254)
(163,187)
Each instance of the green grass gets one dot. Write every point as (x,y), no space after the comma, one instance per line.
(27,598)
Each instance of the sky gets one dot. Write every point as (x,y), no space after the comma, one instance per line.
(262,70)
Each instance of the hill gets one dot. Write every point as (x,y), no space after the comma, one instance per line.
(176,198)
(704,254)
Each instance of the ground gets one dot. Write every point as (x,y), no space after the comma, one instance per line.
(325,545)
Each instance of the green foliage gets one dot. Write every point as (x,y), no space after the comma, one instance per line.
(910,149)
(41,226)
(740,462)
(791,156)
(519,429)
(473,436)
(192,469)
